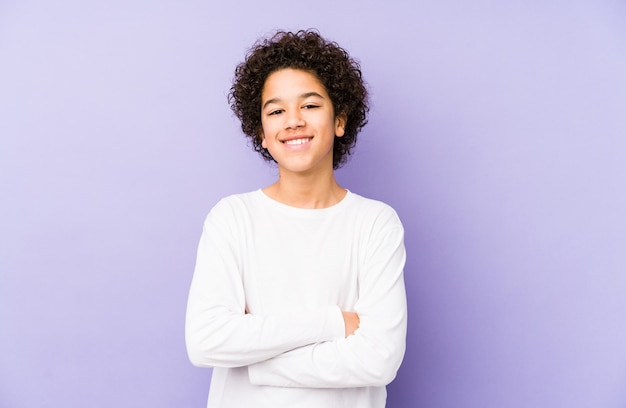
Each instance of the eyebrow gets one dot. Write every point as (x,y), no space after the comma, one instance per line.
(303,96)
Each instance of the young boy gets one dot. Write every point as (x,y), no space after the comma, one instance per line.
(298,296)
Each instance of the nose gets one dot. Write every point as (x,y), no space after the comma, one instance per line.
(294,120)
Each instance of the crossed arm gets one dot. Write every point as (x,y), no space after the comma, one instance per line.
(325,348)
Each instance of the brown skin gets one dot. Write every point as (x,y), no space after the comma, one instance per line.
(307,51)
(351,321)
(296,106)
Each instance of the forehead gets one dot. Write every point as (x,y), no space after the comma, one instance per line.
(291,82)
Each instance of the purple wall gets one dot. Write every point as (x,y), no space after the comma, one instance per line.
(498,132)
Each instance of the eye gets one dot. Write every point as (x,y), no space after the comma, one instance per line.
(310,106)
(275,112)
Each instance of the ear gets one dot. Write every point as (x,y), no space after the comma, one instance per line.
(340,124)
(261,135)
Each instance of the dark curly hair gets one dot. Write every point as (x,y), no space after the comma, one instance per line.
(305,50)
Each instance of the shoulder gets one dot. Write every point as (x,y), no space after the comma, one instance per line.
(370,205)
(234,206)
(375,210)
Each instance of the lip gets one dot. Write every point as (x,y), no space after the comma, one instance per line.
(296,141)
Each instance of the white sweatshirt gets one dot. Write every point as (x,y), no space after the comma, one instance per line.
(266,298)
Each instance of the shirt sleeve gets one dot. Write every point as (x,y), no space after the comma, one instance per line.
(373,354)
(218,331)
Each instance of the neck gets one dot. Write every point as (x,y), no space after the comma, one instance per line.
(306,191)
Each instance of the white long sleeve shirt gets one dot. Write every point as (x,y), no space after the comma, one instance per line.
(266,297)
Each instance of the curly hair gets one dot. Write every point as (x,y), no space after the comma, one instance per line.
(308,51)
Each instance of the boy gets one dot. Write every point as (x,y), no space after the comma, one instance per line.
(298,296)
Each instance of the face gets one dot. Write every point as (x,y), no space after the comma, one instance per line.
(298,121)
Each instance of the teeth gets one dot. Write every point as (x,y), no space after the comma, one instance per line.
(297,141)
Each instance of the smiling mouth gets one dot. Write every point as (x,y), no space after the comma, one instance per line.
(298,141)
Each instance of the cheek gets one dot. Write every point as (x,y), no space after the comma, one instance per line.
(267,126)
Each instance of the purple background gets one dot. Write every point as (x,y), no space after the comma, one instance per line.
(498,132)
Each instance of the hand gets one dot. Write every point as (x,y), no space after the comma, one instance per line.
(351,321)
